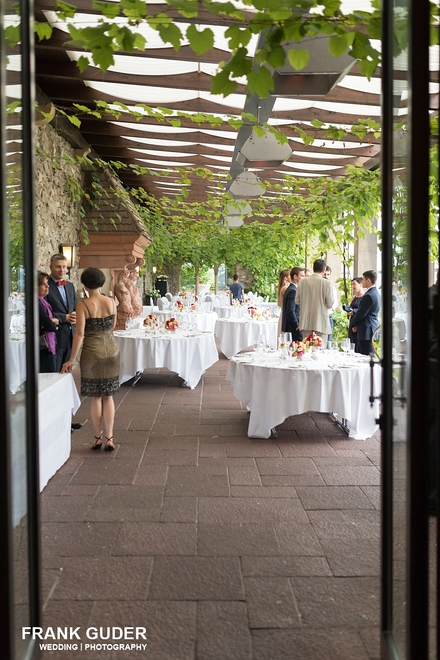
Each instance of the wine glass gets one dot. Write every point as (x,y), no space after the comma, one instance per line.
(288,337)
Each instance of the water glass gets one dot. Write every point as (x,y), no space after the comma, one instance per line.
(288,337)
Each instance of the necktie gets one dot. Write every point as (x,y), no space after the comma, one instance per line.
(61,283)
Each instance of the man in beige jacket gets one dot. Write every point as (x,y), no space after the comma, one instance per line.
(315,297)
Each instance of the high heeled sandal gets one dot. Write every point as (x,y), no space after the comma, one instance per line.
(108,447)
(98,443)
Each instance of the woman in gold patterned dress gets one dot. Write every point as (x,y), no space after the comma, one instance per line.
(99,362)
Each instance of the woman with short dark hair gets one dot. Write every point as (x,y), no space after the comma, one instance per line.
(95,322)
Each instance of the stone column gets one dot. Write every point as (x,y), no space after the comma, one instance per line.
(365,252)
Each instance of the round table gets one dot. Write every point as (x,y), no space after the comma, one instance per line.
(274,389)
(235,334)
(187,353)
(202,320)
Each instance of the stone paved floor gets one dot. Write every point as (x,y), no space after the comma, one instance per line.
(224,548)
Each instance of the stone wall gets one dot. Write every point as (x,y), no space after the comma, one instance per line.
(244,276)
(57,212)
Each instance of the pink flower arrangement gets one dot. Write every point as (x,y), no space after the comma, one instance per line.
(313,341)
(298,349)
(171,324)
(150,320)
(180,305)
(252,310)
(193,307)
(267,313)
(196,298)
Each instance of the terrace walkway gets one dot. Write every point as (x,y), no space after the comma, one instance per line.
(222,547)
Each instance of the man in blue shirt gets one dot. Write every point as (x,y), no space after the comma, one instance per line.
(236,290)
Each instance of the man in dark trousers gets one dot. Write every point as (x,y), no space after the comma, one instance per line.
(290,313)
(366,319)
(62,298)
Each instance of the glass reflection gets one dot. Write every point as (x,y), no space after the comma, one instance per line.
(400,327)
(17,321)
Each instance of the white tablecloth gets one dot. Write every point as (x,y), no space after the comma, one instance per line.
(273,391)
(17,362)
(204,321)
(188,354)
(57,400)
(236,334)
(223,311)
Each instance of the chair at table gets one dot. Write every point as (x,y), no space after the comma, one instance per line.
(208,302)
(169,297)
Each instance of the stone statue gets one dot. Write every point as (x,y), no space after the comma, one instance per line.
(124,310)
(136,300)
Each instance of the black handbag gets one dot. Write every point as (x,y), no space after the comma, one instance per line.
(43,342)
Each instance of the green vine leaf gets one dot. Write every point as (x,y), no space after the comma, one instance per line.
(200,41)
(108,9)
(339,44)
(298,58)
(43,30)
(260,82)
(169,33)
(82,63)
(65,10)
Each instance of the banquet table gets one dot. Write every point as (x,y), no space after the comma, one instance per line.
(188,353)
(274,389)
(54,425)
(238,333)
(54,431)
(17,361)
(228,311)
(202,320)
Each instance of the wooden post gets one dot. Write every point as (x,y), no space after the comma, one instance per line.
(196,277)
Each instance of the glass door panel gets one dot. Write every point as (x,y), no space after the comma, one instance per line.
(19,568)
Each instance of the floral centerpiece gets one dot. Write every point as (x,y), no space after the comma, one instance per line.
(252,310)
(236,302)
(313,341)
(180,306)
(152,293)
(266,313)
(150,321)
(193,307)
(171,324)
(298,349)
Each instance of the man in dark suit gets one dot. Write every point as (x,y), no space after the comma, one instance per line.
(290,313)
(62,298)
(365,320)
